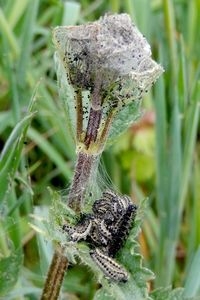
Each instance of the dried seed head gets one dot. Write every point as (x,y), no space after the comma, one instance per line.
(111,51)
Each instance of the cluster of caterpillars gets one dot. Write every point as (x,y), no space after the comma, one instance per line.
(105,230)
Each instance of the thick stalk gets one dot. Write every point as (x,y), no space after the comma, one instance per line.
(85,167)
(55,275)
(104,135)
(95,114)
(79,115)
(92,131)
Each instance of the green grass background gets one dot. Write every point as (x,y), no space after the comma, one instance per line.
(157,158)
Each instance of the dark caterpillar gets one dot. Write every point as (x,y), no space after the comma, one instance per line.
(105,231)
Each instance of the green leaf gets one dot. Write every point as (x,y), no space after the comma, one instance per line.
(17,11)
(169,294)
(124,118)
(192,284)
(102,295)
(9,271)
(26,40)
(44,247)
(71,12)
(51,152)
(8,33)
(15,134)
(66,94)
(11,154)
(5,120)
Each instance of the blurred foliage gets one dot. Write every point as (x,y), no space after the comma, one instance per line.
(157,158)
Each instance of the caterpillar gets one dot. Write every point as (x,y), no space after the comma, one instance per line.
(109,267)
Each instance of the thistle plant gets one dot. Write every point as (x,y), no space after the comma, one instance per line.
(104,68)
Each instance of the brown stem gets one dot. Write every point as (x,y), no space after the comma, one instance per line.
(95,113)
(79,115)
(106,128)
(55,275)
(93,126)
(85,166)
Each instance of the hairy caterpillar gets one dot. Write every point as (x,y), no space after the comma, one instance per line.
(109,267)
(105,231)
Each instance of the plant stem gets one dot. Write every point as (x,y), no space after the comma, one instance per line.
(55,275)
(95,114)
(92,131)
(79,115)
(106,127)
(85,166)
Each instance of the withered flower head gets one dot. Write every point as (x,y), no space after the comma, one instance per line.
(111,51)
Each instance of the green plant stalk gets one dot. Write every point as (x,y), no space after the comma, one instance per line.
(7,32)
(4,249)
(27,36)
(170,214)
(50,151)
(171,31)
(15,231)
(19,6)
(115,5)
(168,174)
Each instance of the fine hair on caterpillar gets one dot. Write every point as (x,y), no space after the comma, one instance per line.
(110,268)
